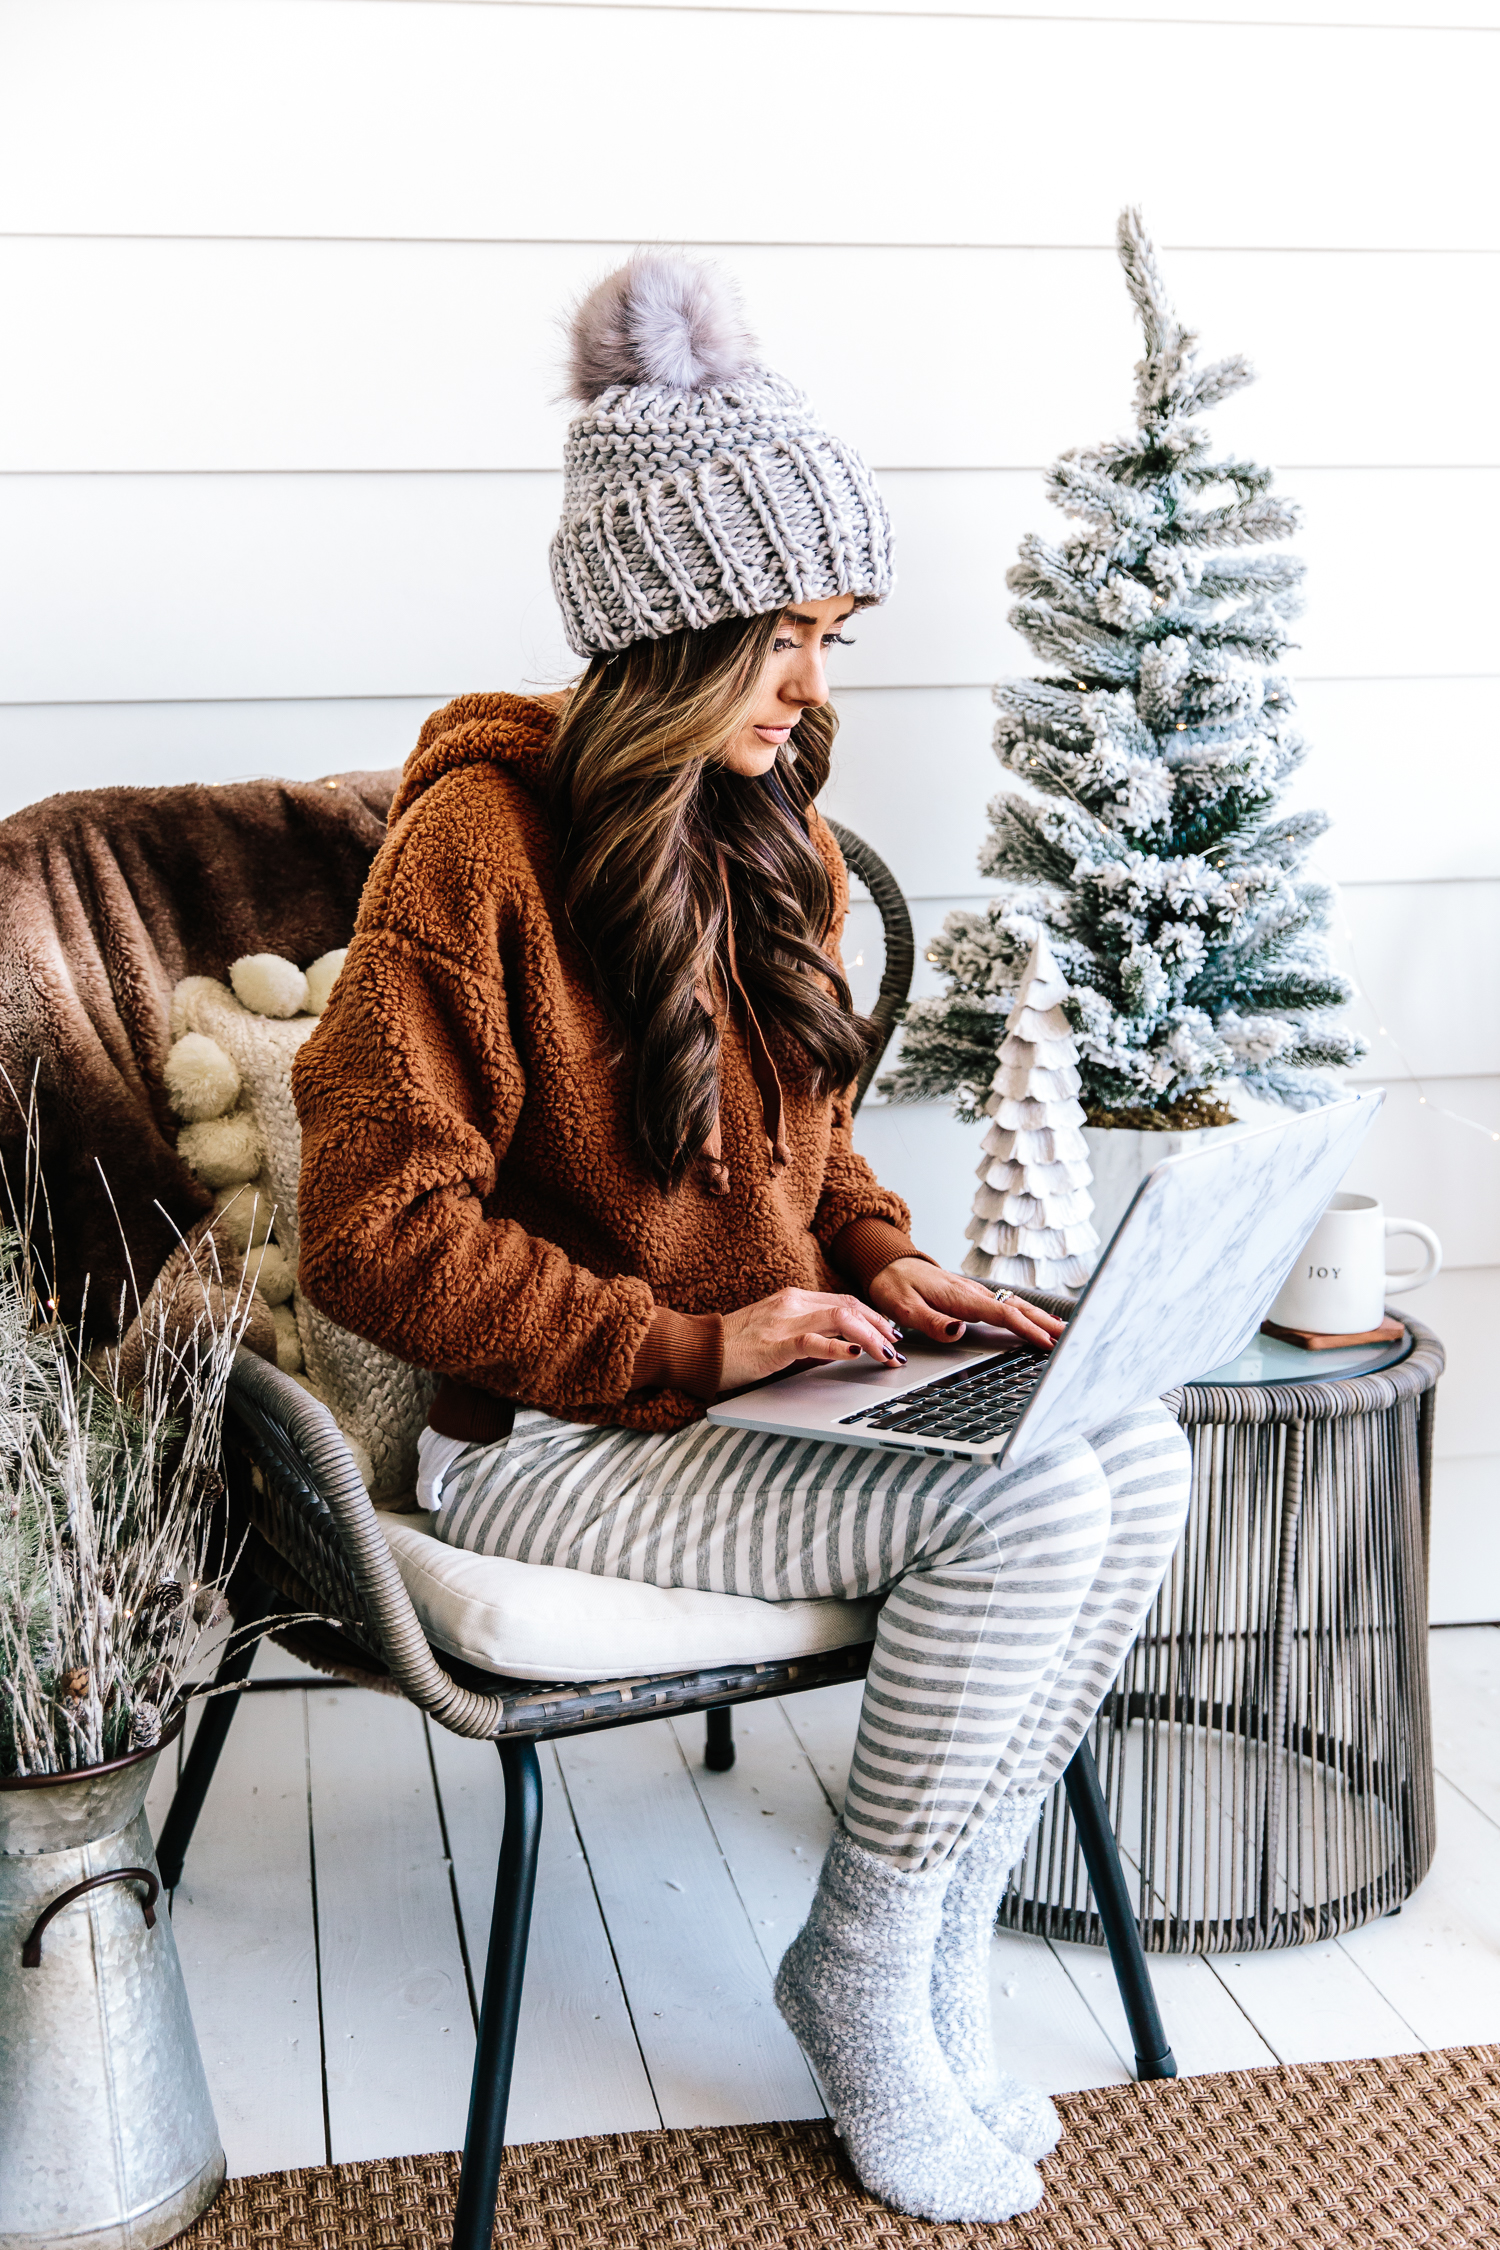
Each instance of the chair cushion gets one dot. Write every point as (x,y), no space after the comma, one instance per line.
(535,1621)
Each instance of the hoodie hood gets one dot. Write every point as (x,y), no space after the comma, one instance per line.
(513,731)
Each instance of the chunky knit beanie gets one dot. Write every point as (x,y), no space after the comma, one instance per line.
(697,485)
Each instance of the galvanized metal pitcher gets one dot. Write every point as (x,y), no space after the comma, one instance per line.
(107,2134)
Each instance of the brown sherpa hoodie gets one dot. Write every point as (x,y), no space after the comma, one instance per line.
(470,1197)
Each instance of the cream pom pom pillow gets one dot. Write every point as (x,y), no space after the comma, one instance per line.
(223,1151)
(321,978)
(268,986)
(202,1082)
(241,1044)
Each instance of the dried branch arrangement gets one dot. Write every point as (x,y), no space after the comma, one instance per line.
(112,1566)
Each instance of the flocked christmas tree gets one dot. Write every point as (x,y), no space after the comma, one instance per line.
(1031,1226)
(1147,840)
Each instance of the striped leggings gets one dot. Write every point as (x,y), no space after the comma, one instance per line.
(1011,1595)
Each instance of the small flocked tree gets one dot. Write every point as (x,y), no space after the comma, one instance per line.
(1153,750)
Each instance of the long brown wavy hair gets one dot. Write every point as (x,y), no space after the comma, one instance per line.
(644,805)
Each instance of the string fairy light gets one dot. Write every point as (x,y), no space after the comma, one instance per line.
(1413,1078)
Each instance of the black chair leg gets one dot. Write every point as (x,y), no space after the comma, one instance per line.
(1101,1854)
(500,2008)
(718,1745)
(214,1722)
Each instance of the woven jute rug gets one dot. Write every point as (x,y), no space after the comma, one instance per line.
(1403,2150)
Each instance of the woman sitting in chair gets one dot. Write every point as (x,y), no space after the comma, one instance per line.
(576,1135)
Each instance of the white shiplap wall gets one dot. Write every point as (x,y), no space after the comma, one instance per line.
(280,440)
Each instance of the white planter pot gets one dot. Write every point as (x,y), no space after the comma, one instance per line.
(1120,1160)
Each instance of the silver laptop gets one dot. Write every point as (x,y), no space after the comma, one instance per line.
(1189,1274)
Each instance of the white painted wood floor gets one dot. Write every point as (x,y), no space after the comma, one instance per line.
(334,1914)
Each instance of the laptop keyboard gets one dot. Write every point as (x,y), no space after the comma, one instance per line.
(974,1406)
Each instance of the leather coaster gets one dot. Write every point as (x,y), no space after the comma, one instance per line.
(1390,1331)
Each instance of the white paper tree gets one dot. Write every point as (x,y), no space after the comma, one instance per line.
(1031,1227)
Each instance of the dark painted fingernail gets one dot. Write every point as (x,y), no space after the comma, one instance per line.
(955,1327)
(898,1333)
(894,1357)
(854,1350)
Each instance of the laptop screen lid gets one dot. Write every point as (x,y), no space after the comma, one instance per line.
(1191,1270)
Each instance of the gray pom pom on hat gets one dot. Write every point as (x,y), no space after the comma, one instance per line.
(697,485)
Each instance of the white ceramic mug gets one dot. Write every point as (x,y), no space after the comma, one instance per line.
(1339,1285)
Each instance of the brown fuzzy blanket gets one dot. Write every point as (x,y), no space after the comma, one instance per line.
(108,897)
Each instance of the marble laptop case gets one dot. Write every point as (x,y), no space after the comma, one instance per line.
(1187,1278)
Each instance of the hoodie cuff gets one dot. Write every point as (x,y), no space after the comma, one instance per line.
(865,1247)
(474,1417)
(680,1352)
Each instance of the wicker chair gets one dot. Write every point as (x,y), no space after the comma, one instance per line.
(313,1543)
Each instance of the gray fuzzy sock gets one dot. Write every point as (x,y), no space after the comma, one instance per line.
(855,1988)
(1020,2115)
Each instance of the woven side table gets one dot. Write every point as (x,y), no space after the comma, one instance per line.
(1266,1752)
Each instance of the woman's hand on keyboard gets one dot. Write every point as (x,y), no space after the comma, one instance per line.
(801,1324)
(923,1298)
